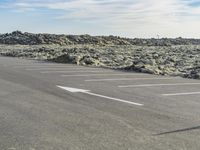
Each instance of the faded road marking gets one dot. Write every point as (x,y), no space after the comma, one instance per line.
(126,79)
(59,69)
(72,71)
(153,85)
(179,94)
(88,75)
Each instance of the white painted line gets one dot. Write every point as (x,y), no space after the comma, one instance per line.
(75,90)
(55,68)
(152,85)
(127,79)
(88,75)
(32,67)
(72,71)
(179,94)
(115,99)
(49,66)
(43,64)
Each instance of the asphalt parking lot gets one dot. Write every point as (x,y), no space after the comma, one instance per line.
(48,106)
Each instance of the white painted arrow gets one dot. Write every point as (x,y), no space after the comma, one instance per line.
(75,90)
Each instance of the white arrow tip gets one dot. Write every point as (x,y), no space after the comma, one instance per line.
(73,90)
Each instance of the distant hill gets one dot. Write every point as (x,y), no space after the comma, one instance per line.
(18,37)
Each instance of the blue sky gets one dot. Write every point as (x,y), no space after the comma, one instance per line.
(129,18)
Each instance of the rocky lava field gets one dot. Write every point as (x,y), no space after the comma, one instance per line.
(176,57)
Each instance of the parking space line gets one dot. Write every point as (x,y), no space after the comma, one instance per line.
(179,94)
(88,75)
(153,85)
(72,71)
(127,79)
(41,66)
(55,68)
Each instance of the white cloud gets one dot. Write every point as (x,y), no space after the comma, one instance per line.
(132,16)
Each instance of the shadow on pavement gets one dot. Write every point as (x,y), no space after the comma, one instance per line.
(179,130)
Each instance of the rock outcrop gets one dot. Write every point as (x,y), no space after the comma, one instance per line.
(176,57)
(162,60)
(17,37)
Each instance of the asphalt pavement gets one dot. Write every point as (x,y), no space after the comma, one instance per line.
(51,106)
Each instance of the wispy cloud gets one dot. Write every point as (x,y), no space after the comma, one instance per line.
(123,15)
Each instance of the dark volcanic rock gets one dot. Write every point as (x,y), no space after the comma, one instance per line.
(17,37)
(176,57)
